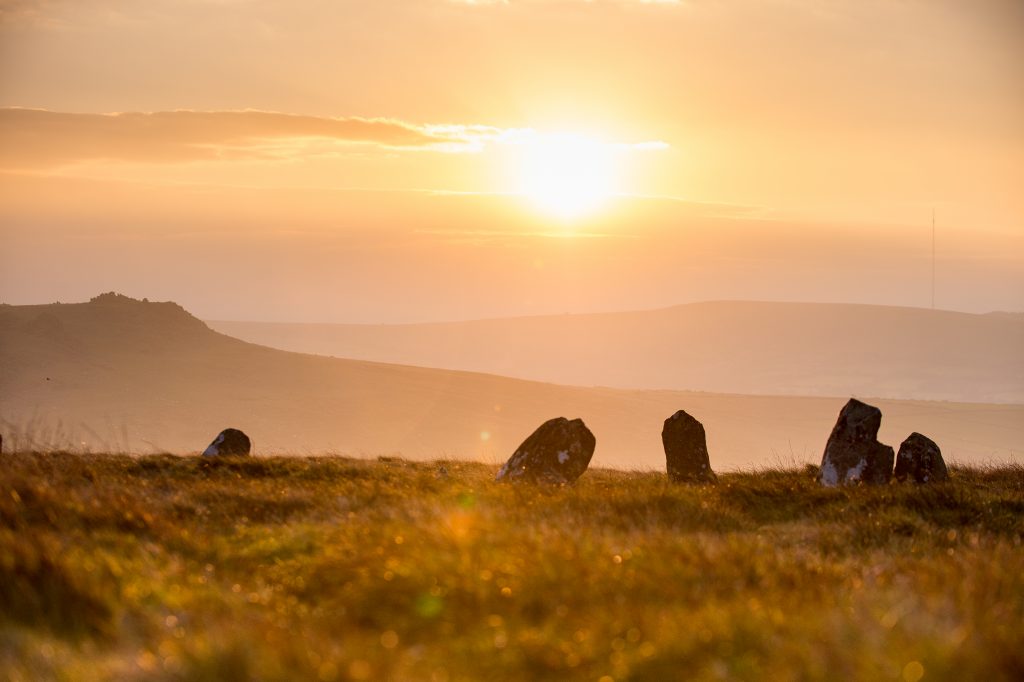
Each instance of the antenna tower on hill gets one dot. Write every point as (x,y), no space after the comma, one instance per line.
(933,258)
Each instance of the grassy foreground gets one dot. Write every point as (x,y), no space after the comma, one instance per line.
(114,567)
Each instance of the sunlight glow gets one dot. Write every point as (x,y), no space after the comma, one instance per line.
(568,175)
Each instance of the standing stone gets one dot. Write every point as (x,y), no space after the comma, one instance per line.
(557,452)
(229,442)
(853,453)
(686,450)
(920,460)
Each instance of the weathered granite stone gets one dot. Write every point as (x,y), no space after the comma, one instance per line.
(853,453)
(686,450)
(229,442)
(920,460)
(558,452)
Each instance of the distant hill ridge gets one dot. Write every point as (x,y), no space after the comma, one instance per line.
(108,323)
(725,346)
(116,374)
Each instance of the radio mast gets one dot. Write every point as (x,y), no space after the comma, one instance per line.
(933,258)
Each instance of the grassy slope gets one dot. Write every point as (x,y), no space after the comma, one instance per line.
(329,568)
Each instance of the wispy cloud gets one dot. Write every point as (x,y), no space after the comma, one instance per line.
(38,138)
(484,3)
(478,237)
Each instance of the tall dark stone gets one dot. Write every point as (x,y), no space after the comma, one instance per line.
(853,453)
(229,442)
(686,450)
(920,460)
(558,452)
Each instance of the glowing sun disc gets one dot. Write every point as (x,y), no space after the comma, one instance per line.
(567,175)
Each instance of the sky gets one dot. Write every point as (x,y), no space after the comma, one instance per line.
(425,160)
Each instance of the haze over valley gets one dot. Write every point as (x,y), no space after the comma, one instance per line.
(118,374)
(727,347)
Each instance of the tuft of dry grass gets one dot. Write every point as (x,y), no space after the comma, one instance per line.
(116,567)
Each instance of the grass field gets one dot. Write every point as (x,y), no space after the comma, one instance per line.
(114,567)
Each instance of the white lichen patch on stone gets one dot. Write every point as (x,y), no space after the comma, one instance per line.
(563,456)
(214,448)
(513,467)
(829,475)
(854,474)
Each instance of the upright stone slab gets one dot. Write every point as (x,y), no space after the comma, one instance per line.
(558,452)
(920,460)
(686,450)
(853,453)
(229,442)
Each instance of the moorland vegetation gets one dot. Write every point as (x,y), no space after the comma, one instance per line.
(275,568)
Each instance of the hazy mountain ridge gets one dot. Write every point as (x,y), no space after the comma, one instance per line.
(732,347)
(122,374)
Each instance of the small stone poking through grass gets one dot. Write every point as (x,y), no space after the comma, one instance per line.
(229,442)
(558,452)
(920,460)
(686,450)
(853,453)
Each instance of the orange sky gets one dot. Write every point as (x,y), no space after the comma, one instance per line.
(421,160)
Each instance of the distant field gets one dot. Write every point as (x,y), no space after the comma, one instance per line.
(293,568)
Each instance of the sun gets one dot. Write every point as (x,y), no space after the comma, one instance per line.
(567,175)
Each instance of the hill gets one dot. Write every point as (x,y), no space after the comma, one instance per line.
(119,374)
(725,347)
(176,568)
